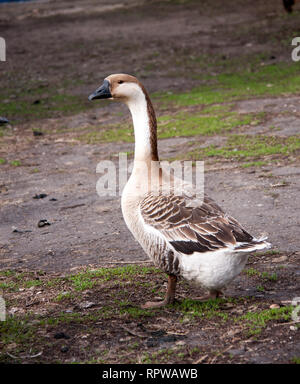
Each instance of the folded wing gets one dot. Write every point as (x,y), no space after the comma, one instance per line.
(189,227)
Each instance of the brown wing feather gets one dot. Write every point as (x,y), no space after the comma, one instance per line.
(191,229)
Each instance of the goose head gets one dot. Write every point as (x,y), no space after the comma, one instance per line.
(129,90)
(119,87)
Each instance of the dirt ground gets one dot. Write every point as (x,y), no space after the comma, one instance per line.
(68,47)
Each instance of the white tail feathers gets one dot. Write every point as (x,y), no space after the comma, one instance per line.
(255,245)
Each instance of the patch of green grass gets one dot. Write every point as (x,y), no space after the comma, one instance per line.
(15,163)
(8,273)
(34,170)
(2,161)
(32,283)
(208,309)
(157,357)
(194,350)
(189,124)
(207,122)
(256,321)
(18,280)
(64,296)
(296,360)
(7,286)
(272,252)
(136,312)
(19,331)
(104,313)
(264,275)
(78,318)
(252,272)
(254,164)
(269,80)
(4,130)
(34,105)
(87,279)
(54,282)
(82,281)
(116,133)
(269,276)
(243,147)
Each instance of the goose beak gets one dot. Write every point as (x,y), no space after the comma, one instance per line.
(101,93)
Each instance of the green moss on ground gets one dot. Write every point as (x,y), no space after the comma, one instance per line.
(248,147)
(269,80)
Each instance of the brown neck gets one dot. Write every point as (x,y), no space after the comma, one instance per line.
(152,126)
(144,122)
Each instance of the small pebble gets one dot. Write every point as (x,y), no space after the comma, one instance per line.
(86,304)
(16,230)
(180,342)
(85,336)
(293,328)
(37,133)
(40,196)
(279,259)
(274,306)
(64,349)
(123,339)
(43,223)
(61,335)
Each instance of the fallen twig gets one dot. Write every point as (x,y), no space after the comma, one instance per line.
(202,358)
(221,353)
(72,206)
(25,356)
(283,184)
(134,333)
(289,323)
(34,302)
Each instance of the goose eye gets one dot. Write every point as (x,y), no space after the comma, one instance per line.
(120,82)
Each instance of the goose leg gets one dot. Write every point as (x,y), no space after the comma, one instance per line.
(213,294)
(170,295)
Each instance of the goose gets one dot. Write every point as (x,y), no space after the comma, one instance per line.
(184,237)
